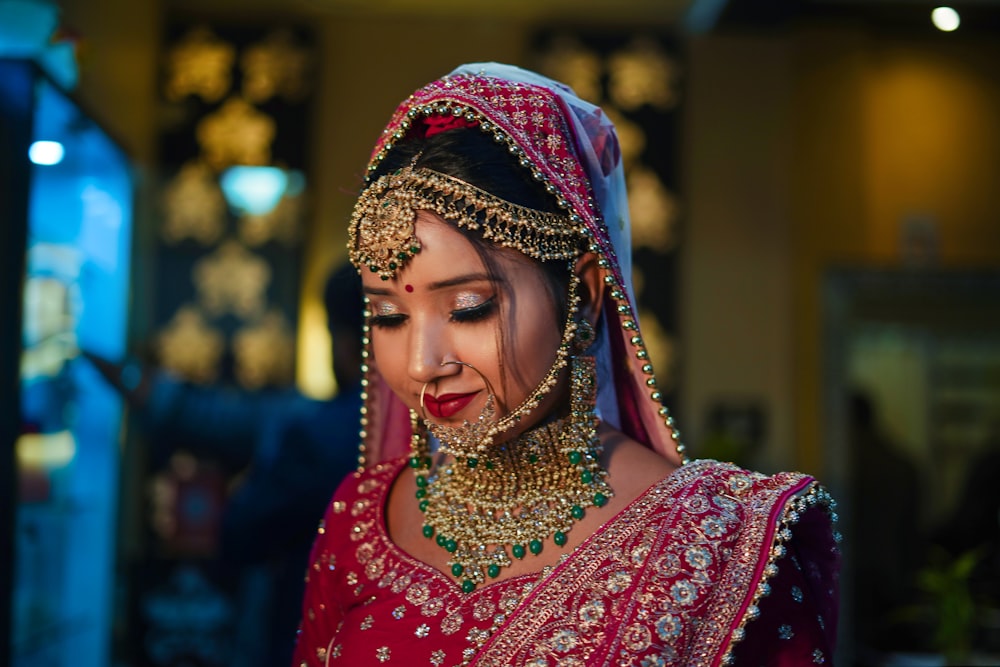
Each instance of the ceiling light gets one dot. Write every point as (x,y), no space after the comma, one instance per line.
(945,19)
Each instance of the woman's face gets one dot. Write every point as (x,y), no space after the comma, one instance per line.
(442,306)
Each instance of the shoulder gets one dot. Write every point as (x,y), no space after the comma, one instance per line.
(359,497)
(767,502)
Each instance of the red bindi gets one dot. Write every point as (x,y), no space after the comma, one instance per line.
(409,288)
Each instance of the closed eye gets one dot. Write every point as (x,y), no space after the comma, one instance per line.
(475,313)
(388,321)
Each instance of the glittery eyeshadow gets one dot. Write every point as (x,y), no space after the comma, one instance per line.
(468,300)
(385,309)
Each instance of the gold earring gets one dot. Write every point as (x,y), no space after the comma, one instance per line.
(584,335)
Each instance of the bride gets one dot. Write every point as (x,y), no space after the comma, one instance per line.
(523,495)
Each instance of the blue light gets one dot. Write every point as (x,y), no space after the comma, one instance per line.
(46,153)
(254,190)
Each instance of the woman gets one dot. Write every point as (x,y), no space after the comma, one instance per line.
(524,497)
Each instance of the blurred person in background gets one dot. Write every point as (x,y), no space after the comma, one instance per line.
(887,509)
(293,451)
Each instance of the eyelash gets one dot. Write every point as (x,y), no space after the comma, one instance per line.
(464,315)
(475,313)
(388,321)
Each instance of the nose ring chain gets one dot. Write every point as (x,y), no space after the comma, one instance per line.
(464,440)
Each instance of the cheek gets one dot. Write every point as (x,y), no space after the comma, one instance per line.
(389,359)
(533,348)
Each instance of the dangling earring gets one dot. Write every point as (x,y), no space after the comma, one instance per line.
(579,440)
(583,337)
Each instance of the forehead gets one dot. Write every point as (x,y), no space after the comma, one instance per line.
(444,253)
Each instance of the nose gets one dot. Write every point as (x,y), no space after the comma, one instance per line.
(429,346)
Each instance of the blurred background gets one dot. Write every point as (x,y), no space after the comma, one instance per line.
(814,189)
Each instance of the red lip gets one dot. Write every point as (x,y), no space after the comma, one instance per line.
(447,405)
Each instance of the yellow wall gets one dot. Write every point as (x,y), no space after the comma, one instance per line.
(118,67)
(806,150)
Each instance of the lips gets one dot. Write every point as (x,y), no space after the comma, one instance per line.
(447,405)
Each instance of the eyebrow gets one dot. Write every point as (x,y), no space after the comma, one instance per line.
(440,284)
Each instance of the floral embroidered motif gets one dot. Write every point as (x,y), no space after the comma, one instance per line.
(400,584)
(785,632)
(432,607)
(451,623)
(417,594)
(422,630)
(382,654)
(818,657)
(387,578)
(796,593)
(360,506)
(483,609)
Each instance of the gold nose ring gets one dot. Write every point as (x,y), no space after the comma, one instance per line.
(423,389)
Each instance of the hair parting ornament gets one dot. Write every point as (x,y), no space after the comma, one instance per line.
(382,234)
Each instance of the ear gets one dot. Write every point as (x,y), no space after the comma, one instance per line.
(591,286)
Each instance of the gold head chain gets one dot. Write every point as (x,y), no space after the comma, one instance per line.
(382,233)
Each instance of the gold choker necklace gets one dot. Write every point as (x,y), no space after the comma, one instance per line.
(506,502)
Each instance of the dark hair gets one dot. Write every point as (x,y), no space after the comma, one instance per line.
(473,156)
(343,301)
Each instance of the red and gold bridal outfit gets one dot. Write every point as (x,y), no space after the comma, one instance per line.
(677,578)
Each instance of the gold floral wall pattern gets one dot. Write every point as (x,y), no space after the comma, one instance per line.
(277,65)
(190,346)
(263,351)
(199,64)
(232,280)
(236,134)
(227,295)
(193,206)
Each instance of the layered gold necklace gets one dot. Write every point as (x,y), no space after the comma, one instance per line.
(510,499)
